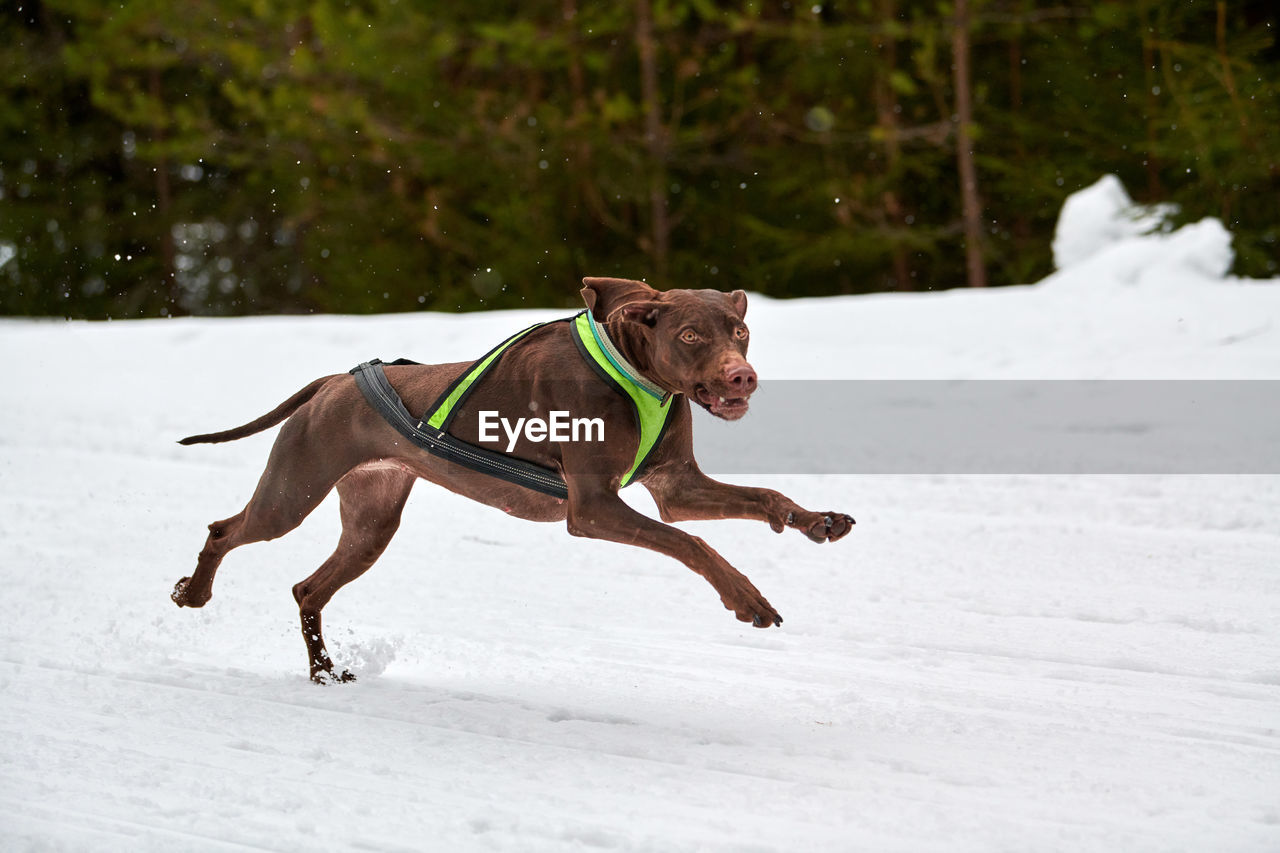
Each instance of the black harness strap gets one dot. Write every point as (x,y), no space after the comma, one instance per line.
(373,383)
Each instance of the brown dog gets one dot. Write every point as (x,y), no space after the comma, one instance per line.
(690,343)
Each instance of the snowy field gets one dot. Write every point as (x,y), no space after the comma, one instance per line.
(984,663)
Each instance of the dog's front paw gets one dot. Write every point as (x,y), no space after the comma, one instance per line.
(760,617)
(750,606)
(821,526)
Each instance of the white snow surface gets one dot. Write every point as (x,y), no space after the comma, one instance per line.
(985,662)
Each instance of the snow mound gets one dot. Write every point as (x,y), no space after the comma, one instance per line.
(1103,237)
(1133,298)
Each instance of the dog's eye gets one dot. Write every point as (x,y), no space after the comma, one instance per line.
(689,336)
(740,333)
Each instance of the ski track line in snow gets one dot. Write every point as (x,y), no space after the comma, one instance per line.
(364,713)
(898,766)
(709,772)
(32,822)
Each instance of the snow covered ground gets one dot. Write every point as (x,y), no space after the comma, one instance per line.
(986,662)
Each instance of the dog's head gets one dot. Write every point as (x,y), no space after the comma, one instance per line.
(691,342)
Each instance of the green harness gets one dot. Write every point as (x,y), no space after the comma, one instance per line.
(648,402)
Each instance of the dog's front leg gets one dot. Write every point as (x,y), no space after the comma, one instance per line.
(684,493)
(596,511)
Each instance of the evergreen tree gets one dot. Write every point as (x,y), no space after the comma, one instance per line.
(235,156)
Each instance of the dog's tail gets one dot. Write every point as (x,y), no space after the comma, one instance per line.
(270,419)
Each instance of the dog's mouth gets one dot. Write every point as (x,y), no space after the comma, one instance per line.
(729,408)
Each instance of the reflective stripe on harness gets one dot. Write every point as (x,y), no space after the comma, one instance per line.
(441,412)
(430,432)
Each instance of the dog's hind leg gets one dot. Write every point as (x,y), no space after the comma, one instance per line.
(296,480)
(372,498)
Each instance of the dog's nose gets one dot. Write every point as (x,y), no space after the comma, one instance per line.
(741,378)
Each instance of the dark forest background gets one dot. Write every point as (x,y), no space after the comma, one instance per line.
(265,156)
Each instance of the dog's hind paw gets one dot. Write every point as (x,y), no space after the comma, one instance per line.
(182,596)
(326,676)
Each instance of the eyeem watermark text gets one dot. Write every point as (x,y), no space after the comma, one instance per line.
(560,426)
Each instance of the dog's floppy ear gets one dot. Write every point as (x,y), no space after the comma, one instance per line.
(739,300)
(606,295)
(645,312)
